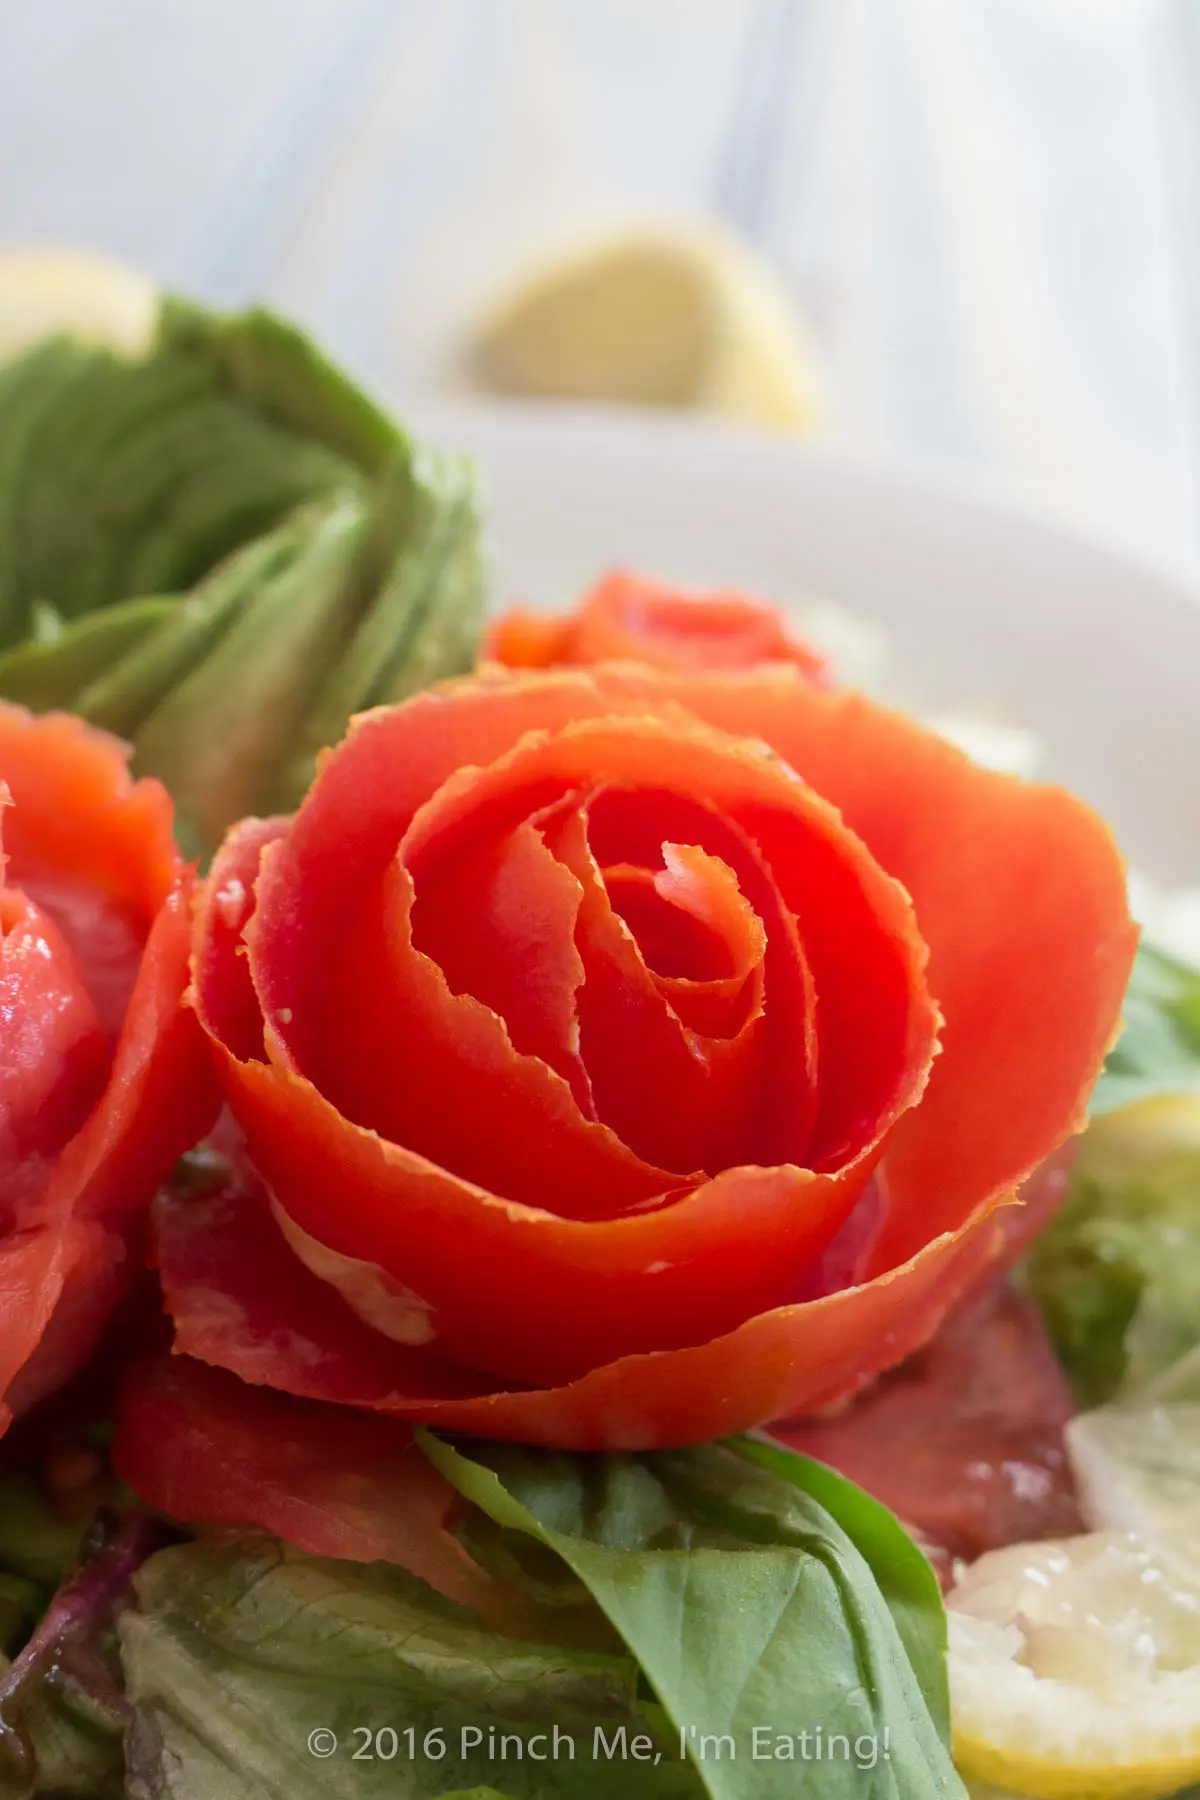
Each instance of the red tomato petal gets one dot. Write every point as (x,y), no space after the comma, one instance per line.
(537,1297)
(628,617)
(54,1051)
(363,801)
(222,990)
(525,640)
(675,1097)
(774,1073)
(437,1072)
(228,1276)
(669,911)
(242,1302)
(498,918)
(93,853)
(876,1027)
(59,1281)
(162,1094)
(78,814)
(1020,894)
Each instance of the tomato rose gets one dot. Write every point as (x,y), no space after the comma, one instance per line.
(104,1078)
(629,1058)
(628,618)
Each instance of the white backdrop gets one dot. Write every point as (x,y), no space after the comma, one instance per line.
(989,208)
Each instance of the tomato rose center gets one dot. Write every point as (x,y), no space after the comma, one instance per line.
(614,962)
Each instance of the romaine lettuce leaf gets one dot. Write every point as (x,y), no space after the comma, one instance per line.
(1158,1051)
(222,550)
(259,1673)
(36,1542)
(747,1605)
(1117,1272)
(63,1712)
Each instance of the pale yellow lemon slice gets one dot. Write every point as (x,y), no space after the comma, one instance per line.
(46,291)
(1075,1670)
(659,318)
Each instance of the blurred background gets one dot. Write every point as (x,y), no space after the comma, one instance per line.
(987,211)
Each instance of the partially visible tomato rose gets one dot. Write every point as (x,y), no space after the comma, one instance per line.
(627,618)
(584,1028)
(103,1075)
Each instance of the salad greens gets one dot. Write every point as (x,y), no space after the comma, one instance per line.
(749,1608)
(63,1710)
(1158,1051)
(36,1543)
(222,551)
(721,1570)
(243,1653)
(1117,1272)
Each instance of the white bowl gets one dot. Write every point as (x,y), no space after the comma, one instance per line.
(981,603)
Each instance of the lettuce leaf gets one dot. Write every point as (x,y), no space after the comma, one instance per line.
(222,551)
(63,1712)
(747,1604)
(1117,1272)
(1158,1051)
(135,477)
(242,1652)
(37,1543)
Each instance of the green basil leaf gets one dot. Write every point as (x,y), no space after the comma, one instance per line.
(755,1619)
(903,1572)
(259,1673)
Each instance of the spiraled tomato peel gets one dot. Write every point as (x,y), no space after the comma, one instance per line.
(689,1309)
(628,618)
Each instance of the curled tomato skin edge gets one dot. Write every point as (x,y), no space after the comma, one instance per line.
(1020,893)
(162,1095)
(511,1284)
(277,1324)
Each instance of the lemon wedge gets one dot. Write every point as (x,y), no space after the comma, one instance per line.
(45,291)
(1075,1670)
(1137,1465)
(657,318)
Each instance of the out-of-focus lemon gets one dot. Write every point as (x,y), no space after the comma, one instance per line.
(45,291)
(657,318)
(1137,1464)
(1075,1670)
(1135,1138)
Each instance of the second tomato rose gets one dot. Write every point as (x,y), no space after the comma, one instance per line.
(630,1058)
